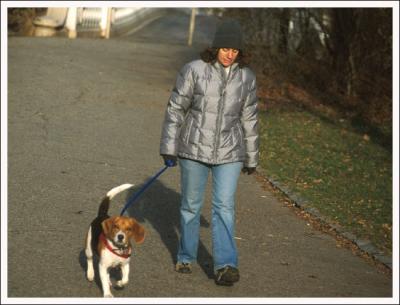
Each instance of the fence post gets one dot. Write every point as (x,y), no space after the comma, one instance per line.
(108,25)
(71,21)
(191,27)
(105,22)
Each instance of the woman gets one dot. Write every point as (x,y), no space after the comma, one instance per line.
(211,125)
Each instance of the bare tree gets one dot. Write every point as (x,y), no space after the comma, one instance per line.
(344,53)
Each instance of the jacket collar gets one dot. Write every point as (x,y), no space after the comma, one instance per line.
(221,69)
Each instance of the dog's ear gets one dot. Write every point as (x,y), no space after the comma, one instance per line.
(107,225)
(137,231)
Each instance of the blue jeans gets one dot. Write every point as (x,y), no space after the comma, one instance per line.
(194,177)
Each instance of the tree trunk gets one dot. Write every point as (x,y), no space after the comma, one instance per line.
(284,30)
(342,35)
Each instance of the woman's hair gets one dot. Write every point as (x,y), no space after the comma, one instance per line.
(210,55)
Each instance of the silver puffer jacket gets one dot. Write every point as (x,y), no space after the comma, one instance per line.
(211,116)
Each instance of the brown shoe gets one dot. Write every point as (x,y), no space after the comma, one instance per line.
(183,267)
(227,276)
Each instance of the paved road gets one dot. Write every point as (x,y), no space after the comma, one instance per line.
(84,116)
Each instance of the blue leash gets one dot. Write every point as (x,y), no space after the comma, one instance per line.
(136,195)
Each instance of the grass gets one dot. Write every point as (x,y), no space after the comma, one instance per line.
(340,172)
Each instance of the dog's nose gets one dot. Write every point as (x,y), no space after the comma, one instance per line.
(120,237)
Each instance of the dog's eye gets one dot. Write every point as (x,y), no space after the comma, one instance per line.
(129,229)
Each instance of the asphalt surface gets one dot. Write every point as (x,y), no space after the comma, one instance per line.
(84,116)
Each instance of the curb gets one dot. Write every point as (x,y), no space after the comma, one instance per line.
(363,244)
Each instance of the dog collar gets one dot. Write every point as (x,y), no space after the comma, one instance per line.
(108,246)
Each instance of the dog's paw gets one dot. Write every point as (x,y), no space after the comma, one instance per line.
(90,276)
(121,284)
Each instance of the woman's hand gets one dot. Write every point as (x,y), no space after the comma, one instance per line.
(248,170)
(169,160)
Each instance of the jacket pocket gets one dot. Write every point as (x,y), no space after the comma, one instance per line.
(237,136)
(186,130)
(240,134)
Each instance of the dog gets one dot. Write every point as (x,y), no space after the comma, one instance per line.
(109,238)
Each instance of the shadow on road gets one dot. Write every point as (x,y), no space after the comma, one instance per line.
(159,206)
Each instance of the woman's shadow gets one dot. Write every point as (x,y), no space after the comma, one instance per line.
(159,205)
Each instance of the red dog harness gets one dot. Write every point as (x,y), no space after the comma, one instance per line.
(108,246)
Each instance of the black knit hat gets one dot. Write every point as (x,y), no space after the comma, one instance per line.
(228,35)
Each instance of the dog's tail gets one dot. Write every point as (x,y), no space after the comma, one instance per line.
(105,204)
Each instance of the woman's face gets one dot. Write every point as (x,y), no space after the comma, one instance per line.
(226,56)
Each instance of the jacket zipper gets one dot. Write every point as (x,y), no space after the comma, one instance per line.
(219,118)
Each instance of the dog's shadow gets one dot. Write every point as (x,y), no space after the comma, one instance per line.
(159,205)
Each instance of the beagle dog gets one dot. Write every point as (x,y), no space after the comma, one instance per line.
(109,237)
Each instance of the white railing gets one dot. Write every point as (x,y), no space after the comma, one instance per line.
(102,20)
(89,18)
